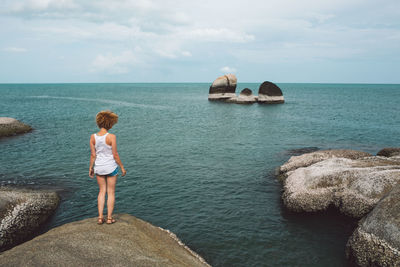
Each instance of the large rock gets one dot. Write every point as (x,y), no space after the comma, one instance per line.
(128,242)
(308,159)
(376,241)
(270,93)
(10,126)
(353,186)
(22,212)
(389,152)
(223,88)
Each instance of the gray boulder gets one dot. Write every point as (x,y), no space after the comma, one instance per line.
(223,88)
(376,241)
(10,126)
(246,97)
(128,242)
(389,152)
(308,159)
(270,93)
(22,212)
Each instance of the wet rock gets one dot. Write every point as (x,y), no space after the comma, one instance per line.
(22,212)
(376,241)
(11,126)
(246,97)
(389,152)
(128,242)
(314,157)
(300,151)
(223,88)
(354,186)
(270,93)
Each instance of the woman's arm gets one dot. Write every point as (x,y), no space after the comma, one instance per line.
(115,153)
(92,156)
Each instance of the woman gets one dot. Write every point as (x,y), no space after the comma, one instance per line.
(105,158)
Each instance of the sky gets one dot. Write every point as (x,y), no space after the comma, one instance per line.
(294,41)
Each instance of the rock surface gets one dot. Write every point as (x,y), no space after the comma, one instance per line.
(128,242)
(270,93)
(376,242)
(223,88)
(246,97)
(22,212)
(10,126)
(389,152)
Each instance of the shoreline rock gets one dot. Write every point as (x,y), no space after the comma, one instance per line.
(11,126)
(376,241)
(22,212)
(128,242)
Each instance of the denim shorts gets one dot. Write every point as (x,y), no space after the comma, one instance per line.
(115,172)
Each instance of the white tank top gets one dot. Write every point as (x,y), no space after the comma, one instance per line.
(105,162)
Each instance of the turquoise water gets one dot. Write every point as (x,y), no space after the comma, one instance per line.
(204,170)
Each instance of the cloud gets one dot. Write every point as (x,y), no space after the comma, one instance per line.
(227,69)
(114,64)
(15,49)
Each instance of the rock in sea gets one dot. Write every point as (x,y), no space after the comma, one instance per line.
(354,186)
(22,212)
(223,88)
(270,93)
(389,152)
(376,241)
(128,242)
(10,126)
(246,97)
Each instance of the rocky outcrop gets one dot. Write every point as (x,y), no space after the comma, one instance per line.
(128,242)
(10,126)
(308,159)
(223,88)
(389,152)
(353,186)
(376,241)
(270,93)
(246,97)
(22,212)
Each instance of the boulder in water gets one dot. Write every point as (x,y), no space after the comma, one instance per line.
(376,241)
(246,97)
(11,126)
(128,242)
(223,88)
(22,212)
(270,93)
(389,152)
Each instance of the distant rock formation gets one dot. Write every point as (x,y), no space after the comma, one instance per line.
(270,93)
(128,242)
(376,241)
(223,88)
(246,97)
(11,126)
(22,212)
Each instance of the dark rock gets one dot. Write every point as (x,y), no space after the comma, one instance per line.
(376,242)
(300,151)
(22,212)
(270,93)
(246,92)
(223,88)
(246,97)
(128,242)
(10,126)
(389,152)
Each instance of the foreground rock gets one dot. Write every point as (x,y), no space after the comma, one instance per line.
(270,93)
(376,242)
(128,242)
(10,126)
(308,159)
(223,88)
(22,212)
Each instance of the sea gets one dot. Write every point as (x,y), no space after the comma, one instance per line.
(204,170)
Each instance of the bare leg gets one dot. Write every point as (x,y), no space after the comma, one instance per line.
(101,180)
(111,181)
